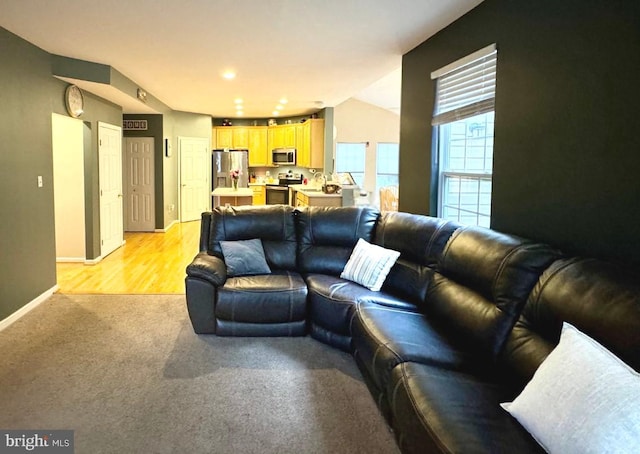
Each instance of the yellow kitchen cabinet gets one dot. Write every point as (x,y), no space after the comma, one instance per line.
(224,137)
(310,143)
(302,200)
(319,200)
(289,136)
(231,136)
(258,151)
(240,137)
(259,193)
(282,136)
(303,144)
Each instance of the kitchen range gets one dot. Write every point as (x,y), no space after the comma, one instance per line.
(278,193)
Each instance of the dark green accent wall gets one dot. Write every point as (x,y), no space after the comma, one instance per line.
(29,94)
(566,160)
(27,260)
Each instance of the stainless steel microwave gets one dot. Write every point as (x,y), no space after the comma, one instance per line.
(283,156)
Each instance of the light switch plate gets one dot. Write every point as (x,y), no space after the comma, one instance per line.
(40,181)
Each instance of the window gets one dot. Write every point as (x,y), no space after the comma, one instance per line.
(464,118)
(387,158)
(350,157)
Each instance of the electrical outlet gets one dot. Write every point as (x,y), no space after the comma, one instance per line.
(40,183)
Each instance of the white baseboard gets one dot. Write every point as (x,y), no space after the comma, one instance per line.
(70,259)
(27,308)
(166,229)
(95,261)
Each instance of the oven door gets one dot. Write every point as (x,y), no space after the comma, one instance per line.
(277,195)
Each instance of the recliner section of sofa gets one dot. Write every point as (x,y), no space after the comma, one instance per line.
(601,299)
(438,410)
(435,409)
(263,305)
(326,238)
(471,303)
(332,300)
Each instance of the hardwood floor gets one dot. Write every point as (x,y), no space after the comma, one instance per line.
(148,263)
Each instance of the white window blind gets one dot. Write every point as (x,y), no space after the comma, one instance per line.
(466,88)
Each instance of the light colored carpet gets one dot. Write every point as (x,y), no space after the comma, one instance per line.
(127,373)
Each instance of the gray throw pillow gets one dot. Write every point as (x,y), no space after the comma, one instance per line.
(244,257)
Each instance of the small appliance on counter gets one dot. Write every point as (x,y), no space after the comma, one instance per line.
(331,188)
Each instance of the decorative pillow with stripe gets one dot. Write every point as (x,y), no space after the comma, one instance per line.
(369,265)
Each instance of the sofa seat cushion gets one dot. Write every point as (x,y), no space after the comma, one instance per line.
(331,303)
(274,298)
(383,337)
(435,410)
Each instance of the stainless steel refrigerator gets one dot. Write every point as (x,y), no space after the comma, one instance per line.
(224,162)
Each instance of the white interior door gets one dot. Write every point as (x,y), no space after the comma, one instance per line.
(139,184)
(195,176)
(110,173)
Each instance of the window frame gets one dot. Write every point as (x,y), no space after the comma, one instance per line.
(481,101)
(396,174)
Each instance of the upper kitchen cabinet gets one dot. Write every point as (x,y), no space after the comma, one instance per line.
(252,138)
(258,150)
(223,137)
(241,137)
(231,137)
(310,143)
(282,136)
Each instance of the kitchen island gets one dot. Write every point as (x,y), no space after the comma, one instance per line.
(309,195)
(231,196)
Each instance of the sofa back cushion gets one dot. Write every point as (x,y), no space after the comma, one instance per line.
(273,224)
(420,241)
(483,280)
(327,236)
(601,299)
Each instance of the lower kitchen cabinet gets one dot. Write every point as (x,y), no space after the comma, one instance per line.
(320,200)
(259,194)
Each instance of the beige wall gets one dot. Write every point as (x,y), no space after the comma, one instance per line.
(358,121)
(68,179)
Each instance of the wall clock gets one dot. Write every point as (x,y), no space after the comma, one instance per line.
(74,101)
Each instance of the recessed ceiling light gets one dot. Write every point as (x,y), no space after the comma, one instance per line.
(279,107)
(239,113)
(238,101)
(275,113)
(229,75)
(283,101)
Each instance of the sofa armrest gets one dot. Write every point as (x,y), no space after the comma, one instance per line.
(208,267)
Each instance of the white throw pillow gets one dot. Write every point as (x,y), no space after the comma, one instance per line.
(369,265)
(582,399)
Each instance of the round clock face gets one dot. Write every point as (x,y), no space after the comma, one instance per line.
(75,101)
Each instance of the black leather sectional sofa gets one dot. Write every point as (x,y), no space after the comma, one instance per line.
(463,320)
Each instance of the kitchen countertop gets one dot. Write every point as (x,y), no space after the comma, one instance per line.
(311,191)
(230,192)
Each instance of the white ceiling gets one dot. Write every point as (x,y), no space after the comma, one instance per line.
(315,53)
